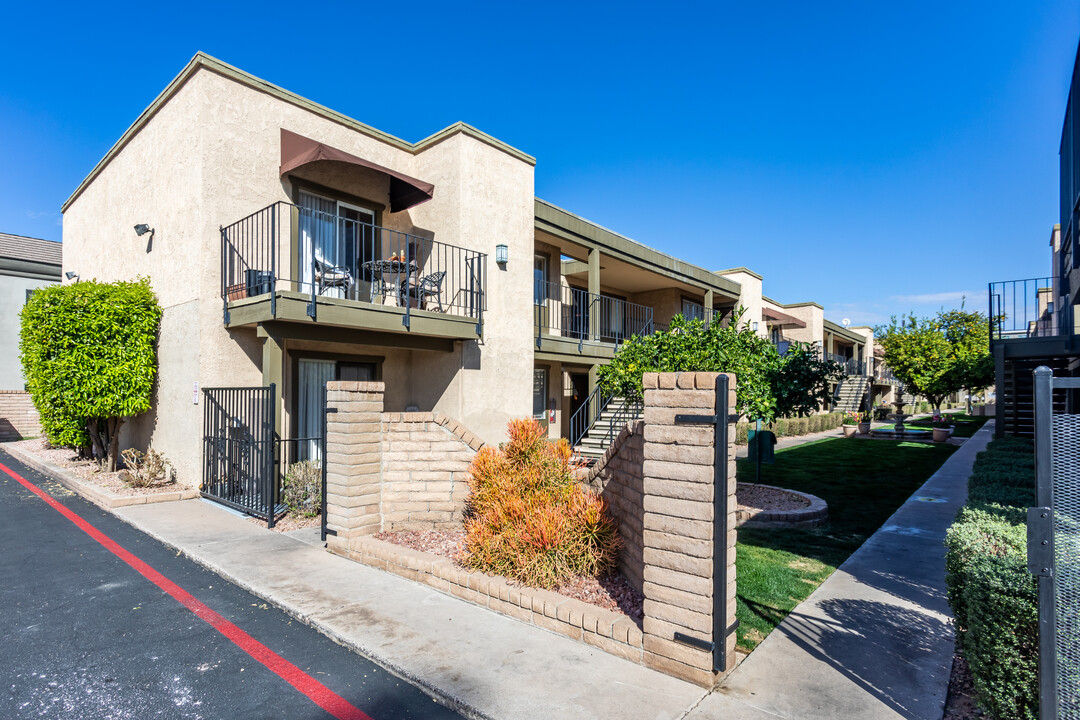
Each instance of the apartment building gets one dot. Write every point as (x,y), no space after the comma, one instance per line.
(290,245)
(1033,321)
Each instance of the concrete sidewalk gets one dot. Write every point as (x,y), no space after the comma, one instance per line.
(875,639)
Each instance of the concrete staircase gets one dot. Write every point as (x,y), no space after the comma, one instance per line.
(606,428)
(850,393)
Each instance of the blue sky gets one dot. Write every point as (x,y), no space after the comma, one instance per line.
(876,158)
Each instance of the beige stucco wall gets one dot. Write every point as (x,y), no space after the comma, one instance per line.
(749,297)
(814,318)
(209,157)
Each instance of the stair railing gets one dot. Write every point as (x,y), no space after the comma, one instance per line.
(627,411)
(586,415)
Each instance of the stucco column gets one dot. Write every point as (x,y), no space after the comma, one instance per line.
(594,290)
(273,369)
(708,307)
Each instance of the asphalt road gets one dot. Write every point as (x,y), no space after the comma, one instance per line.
(85,635)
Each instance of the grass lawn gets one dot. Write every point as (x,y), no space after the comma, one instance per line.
(863,481)
(966,425)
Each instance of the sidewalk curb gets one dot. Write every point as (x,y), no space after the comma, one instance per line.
(99,496)
(68,480)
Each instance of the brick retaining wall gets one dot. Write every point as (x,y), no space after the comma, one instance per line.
(18,416)
(617,477)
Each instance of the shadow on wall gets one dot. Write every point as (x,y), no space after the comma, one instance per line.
(8,432)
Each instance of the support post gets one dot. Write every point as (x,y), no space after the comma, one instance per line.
(594,293)
(1043,381)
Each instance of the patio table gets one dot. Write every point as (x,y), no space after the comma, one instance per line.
(385,269)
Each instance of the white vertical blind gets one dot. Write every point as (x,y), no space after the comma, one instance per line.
(318,230)
(311,377)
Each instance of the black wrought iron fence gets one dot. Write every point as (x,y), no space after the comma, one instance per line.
(239,450)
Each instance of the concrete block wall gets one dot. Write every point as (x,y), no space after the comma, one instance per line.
(617,477)
(354,457)
(679,542)
(425,459)
(18,416)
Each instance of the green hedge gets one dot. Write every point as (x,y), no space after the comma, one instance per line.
(792,427)
(991,593)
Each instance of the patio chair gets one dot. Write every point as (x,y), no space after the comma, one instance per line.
(329,276)
(430,286)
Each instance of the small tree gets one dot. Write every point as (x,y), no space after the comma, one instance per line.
(769,385)
(89,358)
(937,356)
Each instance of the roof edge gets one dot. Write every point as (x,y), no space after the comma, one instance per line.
(745,270)
(203,61)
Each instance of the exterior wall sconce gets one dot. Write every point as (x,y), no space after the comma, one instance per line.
(502,253)
(753,326)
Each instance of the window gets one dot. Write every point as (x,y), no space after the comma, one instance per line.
(540,279)
(540,384)
(29,292)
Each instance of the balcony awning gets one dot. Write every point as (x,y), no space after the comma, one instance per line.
(298,151)
(779,319)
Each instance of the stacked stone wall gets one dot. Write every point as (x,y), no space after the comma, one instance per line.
(617,477)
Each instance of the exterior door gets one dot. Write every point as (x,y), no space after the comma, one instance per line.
(312,375)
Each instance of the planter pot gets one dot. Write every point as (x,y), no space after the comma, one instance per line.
(236,292)
(864,428)
(942,434)
(849,430)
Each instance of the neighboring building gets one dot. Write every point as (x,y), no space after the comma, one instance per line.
(25,265)
(1033,321)
(292,245)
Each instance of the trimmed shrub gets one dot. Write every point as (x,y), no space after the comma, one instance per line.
(991,593)
(527,519)
(301,488)
(88,352)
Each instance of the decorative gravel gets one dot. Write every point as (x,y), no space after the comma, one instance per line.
(611,592)
(758,498)
(88,470)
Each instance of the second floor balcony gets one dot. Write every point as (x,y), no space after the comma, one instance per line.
(1028,309)
(571,320)
(293,263)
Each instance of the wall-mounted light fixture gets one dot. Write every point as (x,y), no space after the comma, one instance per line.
(502,253)
(753,326)
(72,275)
(142,228)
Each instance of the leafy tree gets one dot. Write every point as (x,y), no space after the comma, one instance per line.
(89,357)
(937,356)
(768,385)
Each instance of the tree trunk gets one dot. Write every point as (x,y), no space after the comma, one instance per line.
(114,442)
(94,430)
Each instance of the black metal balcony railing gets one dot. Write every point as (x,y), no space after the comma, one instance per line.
(1026,309)
(851,365)
(583,316)
(883,373)
(286,247)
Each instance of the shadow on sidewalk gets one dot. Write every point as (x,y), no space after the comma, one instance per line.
(876,645)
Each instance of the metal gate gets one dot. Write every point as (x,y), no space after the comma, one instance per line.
(1054,548)
(239,454)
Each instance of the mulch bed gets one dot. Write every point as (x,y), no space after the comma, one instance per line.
(289,522)
(760,498)
(960,702)
(88,470)
(611,592)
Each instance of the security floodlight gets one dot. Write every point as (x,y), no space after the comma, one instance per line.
(71,275)
(142,228)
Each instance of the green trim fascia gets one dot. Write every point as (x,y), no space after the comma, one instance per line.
(203,61)
(843,332)
(748,271)
(808,303)
(335,312)
(29,269)
(564,224)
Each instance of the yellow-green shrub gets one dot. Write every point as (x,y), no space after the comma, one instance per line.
(527,519)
